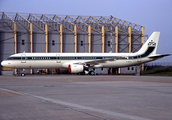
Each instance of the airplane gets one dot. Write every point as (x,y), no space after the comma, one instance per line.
(85,62)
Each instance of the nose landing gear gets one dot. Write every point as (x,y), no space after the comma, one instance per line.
(18,73)
(22,73)
(88,72)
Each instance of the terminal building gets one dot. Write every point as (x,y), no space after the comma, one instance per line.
(33,33)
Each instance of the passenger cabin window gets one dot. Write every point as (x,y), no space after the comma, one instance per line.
(23,42)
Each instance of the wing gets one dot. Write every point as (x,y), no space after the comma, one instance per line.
(99,61)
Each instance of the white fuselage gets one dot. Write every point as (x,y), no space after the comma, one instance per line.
(62,60)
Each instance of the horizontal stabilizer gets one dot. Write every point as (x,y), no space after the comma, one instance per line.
(158,56)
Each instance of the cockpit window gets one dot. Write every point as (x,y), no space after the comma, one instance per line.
(14,58)
(10,58)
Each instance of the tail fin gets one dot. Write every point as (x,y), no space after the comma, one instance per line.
(151,44)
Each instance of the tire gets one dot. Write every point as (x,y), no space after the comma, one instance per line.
(22,74)
(92,73)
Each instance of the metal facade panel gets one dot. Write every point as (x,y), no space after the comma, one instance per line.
(35,28)
(101,70)
(68,43)
(38,42)
(128,70)
(54,42)
(82,43)
(23,42)
(7,44)
(20,27)
(1,49)
(135,42)
(107,43)
(123,43)
(96,43)
(4,26)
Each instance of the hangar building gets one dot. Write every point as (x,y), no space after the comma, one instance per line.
(21,32)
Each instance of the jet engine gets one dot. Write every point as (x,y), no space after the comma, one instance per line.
(75,68)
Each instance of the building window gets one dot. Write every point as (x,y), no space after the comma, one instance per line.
(53,42)
(108,43)
(23,42)
(81,43)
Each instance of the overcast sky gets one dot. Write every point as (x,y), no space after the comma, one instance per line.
(154,15)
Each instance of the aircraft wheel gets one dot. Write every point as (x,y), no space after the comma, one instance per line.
(22,74)
(92,73)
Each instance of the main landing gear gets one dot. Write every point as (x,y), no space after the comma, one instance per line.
(91,72)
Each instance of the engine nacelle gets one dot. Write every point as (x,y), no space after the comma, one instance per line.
(75,68)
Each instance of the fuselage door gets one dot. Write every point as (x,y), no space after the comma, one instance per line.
(58,58)
(23,58)
(138,58)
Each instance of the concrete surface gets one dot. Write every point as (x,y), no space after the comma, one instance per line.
(74,97)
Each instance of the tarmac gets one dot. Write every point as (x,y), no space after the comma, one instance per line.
(75,97)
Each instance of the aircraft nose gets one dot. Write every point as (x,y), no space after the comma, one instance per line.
(4,63)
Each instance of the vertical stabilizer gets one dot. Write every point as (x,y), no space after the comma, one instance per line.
(152,42)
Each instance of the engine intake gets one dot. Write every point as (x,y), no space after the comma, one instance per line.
(75,68)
